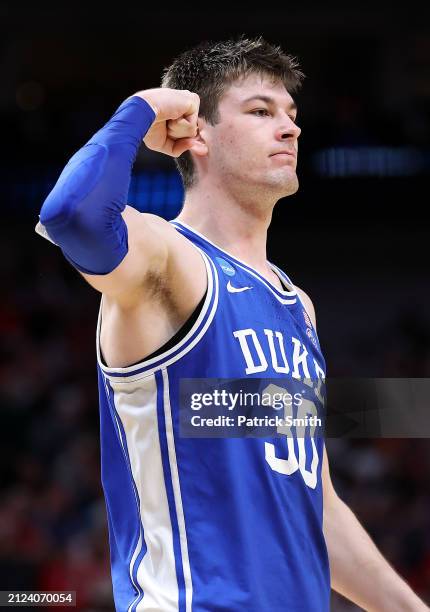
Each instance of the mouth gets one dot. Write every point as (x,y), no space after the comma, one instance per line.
(284,154)
(284,157)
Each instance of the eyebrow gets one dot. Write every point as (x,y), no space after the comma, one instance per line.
(269,100)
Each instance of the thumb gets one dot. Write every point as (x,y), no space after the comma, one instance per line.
(181,145)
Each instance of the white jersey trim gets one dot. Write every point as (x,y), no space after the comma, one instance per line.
(282,300)
(275,290)
(177,492)
(156,573)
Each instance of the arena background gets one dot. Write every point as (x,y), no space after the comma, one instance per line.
(355,237)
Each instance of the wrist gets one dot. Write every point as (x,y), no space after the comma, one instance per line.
(127,126)
(148,97)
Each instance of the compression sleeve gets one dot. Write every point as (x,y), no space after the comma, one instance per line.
(82,213)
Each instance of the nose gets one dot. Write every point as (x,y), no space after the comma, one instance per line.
(287,130)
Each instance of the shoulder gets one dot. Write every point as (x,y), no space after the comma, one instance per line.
(307,303)
(134,218)
(149,227)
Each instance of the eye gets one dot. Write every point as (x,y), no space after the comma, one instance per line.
(293,118)
(260,112)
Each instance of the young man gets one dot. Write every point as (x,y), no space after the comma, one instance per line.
(208,524)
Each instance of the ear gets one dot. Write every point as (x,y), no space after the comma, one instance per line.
(200,142)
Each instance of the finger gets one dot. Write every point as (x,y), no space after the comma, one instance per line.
(194,121)
(185,122)
(182,128)
(193,105)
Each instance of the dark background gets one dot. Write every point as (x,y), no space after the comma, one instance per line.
(355,237)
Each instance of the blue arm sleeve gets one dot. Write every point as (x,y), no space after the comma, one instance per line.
(82,213)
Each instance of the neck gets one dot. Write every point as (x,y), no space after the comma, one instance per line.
(237,223)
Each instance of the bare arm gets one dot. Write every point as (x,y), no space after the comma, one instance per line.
(147,257)
(358,570)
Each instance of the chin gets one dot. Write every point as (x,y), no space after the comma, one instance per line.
(278,184)
(289,187)
(293,187)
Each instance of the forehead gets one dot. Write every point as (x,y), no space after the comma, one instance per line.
(256,85)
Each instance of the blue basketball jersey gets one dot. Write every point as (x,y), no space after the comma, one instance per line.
(215,524)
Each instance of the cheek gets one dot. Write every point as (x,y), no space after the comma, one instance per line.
(229,137)
(234,147)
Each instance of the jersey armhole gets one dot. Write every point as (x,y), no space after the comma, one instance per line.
(155,362)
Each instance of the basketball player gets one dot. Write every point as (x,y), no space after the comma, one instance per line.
(248,524)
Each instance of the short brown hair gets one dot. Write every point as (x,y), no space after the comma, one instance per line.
(209,68)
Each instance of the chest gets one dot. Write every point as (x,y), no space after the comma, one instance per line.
(265,332)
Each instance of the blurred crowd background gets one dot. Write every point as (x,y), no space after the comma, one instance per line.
(355,237)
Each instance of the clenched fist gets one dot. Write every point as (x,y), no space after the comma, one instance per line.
(175,126)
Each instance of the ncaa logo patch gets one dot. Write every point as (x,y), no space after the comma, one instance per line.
(226,267)
(311,336)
